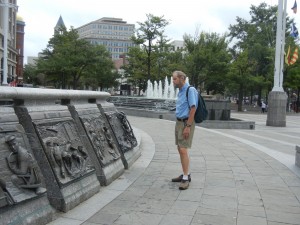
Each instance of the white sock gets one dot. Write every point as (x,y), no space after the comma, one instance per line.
(185,177)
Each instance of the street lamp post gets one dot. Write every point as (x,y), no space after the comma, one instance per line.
(277,98)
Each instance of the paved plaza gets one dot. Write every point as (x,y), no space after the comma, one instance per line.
(239,177)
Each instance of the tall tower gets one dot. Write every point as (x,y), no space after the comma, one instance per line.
(60,24)
(20,48)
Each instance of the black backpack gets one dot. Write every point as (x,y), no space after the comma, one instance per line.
(201,112)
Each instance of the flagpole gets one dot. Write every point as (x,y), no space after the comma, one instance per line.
(277,98)
(279,51)
(282,47)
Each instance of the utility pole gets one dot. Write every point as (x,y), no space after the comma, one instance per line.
(277,98)
(5,5)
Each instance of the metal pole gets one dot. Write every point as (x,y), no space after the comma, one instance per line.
(279,40)
(282,46)
(5,36)
(277,98)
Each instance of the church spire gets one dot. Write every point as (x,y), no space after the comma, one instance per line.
(60,24)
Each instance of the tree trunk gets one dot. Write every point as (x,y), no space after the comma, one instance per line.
(149,59)
(240,100)
(259,96)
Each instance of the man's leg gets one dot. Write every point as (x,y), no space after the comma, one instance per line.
(185,161)
(184,158)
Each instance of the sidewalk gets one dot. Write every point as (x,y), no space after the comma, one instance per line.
(239,177)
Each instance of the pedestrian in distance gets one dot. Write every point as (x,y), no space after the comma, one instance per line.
(185,125)
(263,107)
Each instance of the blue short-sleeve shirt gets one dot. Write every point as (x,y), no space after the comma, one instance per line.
(182,105)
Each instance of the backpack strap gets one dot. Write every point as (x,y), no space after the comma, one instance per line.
(187,94)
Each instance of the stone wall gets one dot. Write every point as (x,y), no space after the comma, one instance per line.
(217,109)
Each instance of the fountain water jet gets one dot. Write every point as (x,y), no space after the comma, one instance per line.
(155,90)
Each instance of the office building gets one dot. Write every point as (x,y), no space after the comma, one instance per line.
(177,45)
(12,51)
(114,33)
(20,48)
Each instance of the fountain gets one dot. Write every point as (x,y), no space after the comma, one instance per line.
(160,102)
(155,90)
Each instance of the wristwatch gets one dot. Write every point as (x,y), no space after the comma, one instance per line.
(188,125)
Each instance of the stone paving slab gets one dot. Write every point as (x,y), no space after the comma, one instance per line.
(234,182)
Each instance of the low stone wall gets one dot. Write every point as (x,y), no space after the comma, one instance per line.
(228,124)
(217,109)
(57,148)
(170,115)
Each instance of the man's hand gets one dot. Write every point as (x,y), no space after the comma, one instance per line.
(186,132)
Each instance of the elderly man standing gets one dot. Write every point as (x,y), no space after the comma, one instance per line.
(185,125)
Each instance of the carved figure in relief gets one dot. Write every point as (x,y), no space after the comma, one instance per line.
(21,162)
(110,142)
(97,142)
(83,153)
(69,159)
(56,156)
(5,198)
(125,123)
(128,136)
(78,158)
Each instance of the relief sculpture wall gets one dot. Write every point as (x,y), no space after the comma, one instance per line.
(57,148)
(124,134)
(122,129)
(23,192)
(101,139)
(64,149)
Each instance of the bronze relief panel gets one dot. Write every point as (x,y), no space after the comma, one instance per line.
(122,130)
(101,138)
(20,176)
(64,149)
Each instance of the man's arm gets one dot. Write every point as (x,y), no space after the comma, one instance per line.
(191,116)
(187,128)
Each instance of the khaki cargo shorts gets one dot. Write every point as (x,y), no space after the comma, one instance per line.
(179,140)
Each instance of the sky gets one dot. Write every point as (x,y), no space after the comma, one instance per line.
(41,16)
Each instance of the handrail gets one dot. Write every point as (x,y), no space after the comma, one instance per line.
(44,93)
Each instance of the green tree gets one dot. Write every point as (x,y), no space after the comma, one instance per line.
(150,32)
(67,60)
(30,75)
(175,60)
(257,36)
(136,68)
(100,73)
(239,77)
(207,60)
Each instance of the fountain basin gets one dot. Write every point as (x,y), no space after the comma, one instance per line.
(218,111)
